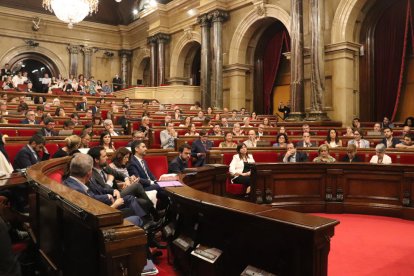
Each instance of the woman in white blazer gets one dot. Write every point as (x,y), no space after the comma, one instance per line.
(239,166)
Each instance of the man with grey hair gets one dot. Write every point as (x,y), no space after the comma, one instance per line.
(80,171)
(252,141)
(380,157)
(109,126)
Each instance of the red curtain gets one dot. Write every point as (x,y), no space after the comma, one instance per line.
(278,44)
(392,32)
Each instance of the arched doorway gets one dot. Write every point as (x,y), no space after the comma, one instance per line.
(386,36)
(143,72)
(192,63)
(271,68)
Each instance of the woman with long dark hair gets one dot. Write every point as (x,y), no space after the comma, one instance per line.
(332,139)
(240,166)
(105,141)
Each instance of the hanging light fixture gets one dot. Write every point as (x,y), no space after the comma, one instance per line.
(71,11)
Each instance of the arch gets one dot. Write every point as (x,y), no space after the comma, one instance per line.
(39,53)
(140,61)
(180,52)
(245,30)
(345,20)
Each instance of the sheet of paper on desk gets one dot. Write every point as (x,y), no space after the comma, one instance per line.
(164,184)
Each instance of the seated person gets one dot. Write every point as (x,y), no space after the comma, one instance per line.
(406,130)
(109,127)
(145,126)
(80,171)
(380,157)
(48,129)
(136,136)
(282,141)
(138,167)
(351,154)
(34,152)
(389,141)
(168,136)
(228,141)
(199,149)
(324,156)
(239,169)
(85,140)
(358,141)
(237,131)
(180,163)
(386,123)
(72,145)
(252,141)
(407,143)
(192,131)
(30,118)
(332,139)
(105,141)
(306,141)
(5,165)
(216,130)
(294,156)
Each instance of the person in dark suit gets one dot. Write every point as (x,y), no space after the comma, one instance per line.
(285,109)
(48,129)
(117,83)
(104,177)
(30,118)
(199,149)
(83,105)
(389,141)
(306,142)
(180,163)
(294,156)
(96,108)
(80,171)
(138,167)
(67,87)
(351,155)
(29,154)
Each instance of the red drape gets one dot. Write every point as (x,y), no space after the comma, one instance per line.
(391,39)
(271,60)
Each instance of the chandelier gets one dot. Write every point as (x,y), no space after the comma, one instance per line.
(71,11)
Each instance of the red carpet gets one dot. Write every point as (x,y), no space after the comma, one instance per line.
(362,245)
(371,245)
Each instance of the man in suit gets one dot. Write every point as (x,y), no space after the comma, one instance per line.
(83,105)
(199,149)
(252,141)
(104,179)
(351,155)
(80,171)
(109,126)
(358,141)
(306,141)
(168,136)
(30,118)
(389,141)
(96,108)
(29,154)
(48,129)
(294,156)
(138,167)
(180,163)
(117,83)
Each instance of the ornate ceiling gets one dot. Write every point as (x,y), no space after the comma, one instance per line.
(110,12)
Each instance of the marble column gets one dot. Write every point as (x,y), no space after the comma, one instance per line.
(125,67)
(217,19)
(73,59)
(297,99)
(162,39)
(87,61)
(317,61)
(205,81)
(152,41)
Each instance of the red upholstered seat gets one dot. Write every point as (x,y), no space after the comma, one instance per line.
(406,158)
(216,143)
(158,164)
(104,114)
(52,148)
(12,150)
(265,157)
(120,144)
(10,132)
(312,155)
(156,143)
(56,175)
(27,132)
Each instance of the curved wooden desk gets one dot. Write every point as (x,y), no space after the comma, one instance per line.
(341,187)
(77,235)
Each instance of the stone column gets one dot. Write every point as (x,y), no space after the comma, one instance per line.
(125,67)
(205,81)
(153,60)
(87,61)
(297,99)
(317,61)
(73,59)
(162,39)
(217,19)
